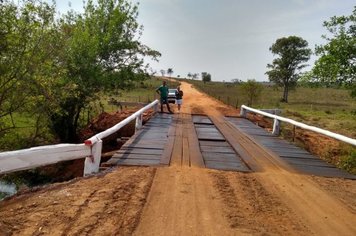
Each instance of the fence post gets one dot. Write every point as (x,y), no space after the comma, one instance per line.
(138,122)
(156,108)
(276,127)
(92,163)
(243,112)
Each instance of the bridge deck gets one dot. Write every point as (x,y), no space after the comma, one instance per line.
(185,140)
(298,158)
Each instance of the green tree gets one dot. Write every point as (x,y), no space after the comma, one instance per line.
(337,62)
(284,71)
(170,72)
(101,48)
(28,40)
(206,77)
(252,91)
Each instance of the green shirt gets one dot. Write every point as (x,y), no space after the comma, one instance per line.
(163,91)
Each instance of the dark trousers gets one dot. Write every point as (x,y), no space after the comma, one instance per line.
(165,101)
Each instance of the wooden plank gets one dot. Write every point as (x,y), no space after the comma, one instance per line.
(196,158)
(147,146)
(141,151)
(326,172)
(217,149)
(168,148)
(136,156)
(220,157)
(214,143)
(234,139)
(185,155)
(201,119)
(138,162)
(226,166)
(177,152)
(309,162)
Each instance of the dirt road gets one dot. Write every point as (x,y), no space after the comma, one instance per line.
(180,200)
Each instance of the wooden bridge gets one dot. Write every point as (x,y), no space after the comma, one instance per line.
(192,140)
(224,143)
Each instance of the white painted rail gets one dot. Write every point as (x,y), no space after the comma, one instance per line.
(277,119)
(44,155)
(40,156)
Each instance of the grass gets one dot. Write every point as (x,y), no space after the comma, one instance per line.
(142,92)
(327,108)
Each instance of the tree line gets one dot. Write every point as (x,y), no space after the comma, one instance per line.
(52,65)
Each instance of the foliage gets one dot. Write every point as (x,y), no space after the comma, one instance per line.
(337,62)
(284,70)
(27,42)
(348,162)
(54,65)
(170,72)
(206,77)
(252,91)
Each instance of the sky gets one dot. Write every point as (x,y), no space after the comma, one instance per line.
(230,39)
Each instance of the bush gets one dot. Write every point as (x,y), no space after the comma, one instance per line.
(348,162)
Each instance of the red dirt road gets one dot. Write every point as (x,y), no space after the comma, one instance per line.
(181,200)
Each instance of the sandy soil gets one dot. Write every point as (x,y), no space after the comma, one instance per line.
(187,201)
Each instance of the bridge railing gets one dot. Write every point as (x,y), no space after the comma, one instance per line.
(278,119)
(25,159)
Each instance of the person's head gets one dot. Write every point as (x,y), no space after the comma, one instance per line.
(164,83)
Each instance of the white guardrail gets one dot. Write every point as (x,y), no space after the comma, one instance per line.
(277,119)
(44,155)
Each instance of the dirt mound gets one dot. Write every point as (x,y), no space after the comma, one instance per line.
(106,120)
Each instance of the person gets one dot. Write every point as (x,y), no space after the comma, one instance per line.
(163,92)
(179,98)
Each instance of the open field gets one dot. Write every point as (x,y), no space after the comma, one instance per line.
(328,108)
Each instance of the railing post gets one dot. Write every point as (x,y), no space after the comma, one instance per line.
(156,108)
(92,163)
(276,127)
(243,112)
(139,119)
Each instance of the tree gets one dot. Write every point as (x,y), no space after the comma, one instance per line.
(285,69)
(28,45)
(189,75)
(163,72)
(252,91)
(206,77)
(170,72)
(101,49)
(337,62)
